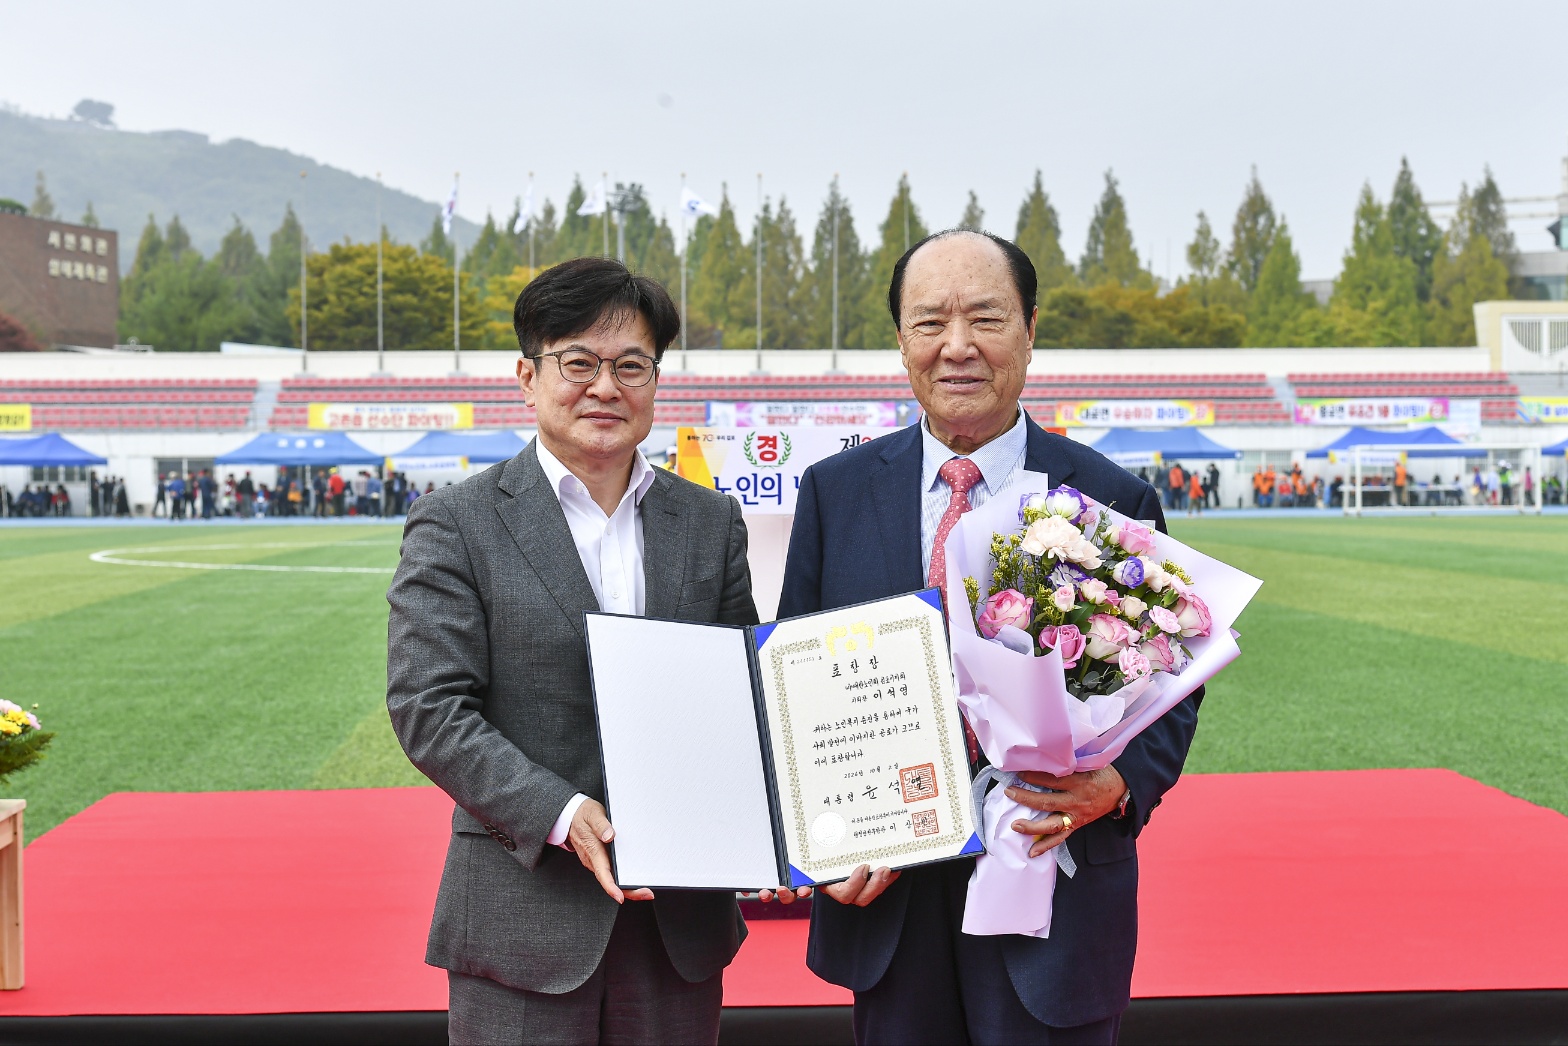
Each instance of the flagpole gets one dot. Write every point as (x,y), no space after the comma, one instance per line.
(604,215)
(685,246)
(759,270)
(457,265)
(835,270)
(381,358)
(530,225)
(304,329)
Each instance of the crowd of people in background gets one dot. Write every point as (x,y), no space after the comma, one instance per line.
(320,493)
(1181,489)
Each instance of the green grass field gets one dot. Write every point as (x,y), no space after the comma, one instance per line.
(1375,642)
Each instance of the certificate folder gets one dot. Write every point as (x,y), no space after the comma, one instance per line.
(787,753)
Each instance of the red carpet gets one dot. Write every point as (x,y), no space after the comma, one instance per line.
(1253,884)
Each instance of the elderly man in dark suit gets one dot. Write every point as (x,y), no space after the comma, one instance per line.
(865,526)
(488,684)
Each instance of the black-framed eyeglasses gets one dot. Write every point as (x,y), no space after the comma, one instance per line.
(633,370)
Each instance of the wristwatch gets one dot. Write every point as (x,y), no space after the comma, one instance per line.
(1121,807)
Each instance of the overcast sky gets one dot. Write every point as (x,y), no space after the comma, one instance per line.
(1179,99)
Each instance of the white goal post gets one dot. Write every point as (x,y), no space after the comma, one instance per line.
(1527,455)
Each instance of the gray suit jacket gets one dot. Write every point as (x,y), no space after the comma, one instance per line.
(489,691)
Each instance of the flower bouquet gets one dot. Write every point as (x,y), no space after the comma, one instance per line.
(1092,626)
(22,740)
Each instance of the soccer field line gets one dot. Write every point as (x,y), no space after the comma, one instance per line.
(116,556)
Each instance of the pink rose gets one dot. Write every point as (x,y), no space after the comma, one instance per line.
(1136,539)
(1008,607)
(1064,598)
(1107,637)
(1066,638)
(1132,664)
(1162,653)
(1164,620)
(1093,590)
(1192,614)
(1113,598)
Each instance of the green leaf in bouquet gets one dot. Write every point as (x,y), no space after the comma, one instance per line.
(19,752)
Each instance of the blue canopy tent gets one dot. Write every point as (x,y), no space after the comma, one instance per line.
(1138,447)
(319,449)
(49,449)
(478,447)
(1443,445)
(1556,449)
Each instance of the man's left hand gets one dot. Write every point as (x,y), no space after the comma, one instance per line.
(1082,797)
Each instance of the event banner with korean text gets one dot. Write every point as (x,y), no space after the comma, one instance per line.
(760,467)
(1547,410)
(16,417)
(875,414)
(1398,410)
(391,417)
(1117,414)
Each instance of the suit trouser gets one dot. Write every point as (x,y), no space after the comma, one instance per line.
(946,986)
(635,996)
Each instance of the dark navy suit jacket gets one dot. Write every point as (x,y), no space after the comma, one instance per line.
(857,538)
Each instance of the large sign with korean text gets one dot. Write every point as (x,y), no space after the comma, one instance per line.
(16,417)
(761,468)
(1118,414)
(873,414)
(1550,410)
(391,417)
(1395,410)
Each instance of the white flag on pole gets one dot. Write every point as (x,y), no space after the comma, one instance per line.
(693,205)
(449,211)
(597,200)
(525,211)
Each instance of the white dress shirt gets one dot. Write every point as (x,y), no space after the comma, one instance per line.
(997,461)
(610,547)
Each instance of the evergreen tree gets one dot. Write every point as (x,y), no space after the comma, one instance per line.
(902,226)
(1375,300)
(1491,218)
(149,250)
(818,296)
(89,217)
(177,240)
(1203,253)
(1109,256)
(282,274)
(1115,317)
(783,270)
(973,218)
(543,225)
(242,266)
(1251,235)
(1281,312)
(1039,235)
(436,242)
(1464,272)
(1415,235)
(722,292)
(43,203)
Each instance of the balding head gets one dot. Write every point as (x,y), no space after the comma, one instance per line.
(965,328)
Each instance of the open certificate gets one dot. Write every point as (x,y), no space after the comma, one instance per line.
(787,753)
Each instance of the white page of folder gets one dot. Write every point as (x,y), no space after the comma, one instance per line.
(682,759)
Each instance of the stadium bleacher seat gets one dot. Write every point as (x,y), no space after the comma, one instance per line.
(188,403)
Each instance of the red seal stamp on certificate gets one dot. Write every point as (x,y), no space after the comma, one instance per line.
(918,782)
(924,822)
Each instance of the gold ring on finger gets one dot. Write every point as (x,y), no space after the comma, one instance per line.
(1067,822)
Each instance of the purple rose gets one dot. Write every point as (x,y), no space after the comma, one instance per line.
(1129,572)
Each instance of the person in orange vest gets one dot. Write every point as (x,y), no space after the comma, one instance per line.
(1195,494)
(1270,477)
(1257,487)
(1178,479)
(1401,480)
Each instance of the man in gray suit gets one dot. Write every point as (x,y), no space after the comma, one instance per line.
(489,690)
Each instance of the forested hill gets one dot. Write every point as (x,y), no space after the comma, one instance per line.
(127,175)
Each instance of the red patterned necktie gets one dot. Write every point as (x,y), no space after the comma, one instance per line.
(961,474)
